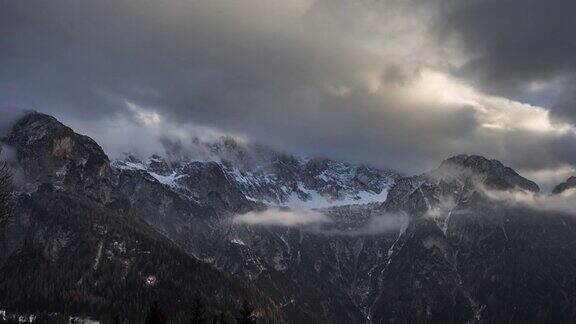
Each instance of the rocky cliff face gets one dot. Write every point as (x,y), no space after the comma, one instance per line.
(102,226)
(49,152)
(457,180)
(265,175)
(316,277)
(465,258)
(96,238)
(74,245)
(194,198)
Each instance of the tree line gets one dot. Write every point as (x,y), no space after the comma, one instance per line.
(199,315)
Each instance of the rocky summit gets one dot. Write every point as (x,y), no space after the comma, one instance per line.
(93,238)
(263,174)
(570,183)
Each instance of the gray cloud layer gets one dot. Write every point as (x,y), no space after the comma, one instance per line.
(519,46)
(388,82)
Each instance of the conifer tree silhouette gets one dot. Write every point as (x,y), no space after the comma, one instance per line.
(246,314)
(219,319)
(222,318)
(155,315)
(117,320)
(198,312)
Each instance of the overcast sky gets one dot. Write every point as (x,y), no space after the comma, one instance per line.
(395,83)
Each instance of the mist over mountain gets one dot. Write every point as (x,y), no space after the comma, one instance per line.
(301,161)
(266,175)
(94,238)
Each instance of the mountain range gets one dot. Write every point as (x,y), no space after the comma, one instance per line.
(94,238)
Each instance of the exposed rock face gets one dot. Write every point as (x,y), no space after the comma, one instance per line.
(316,277)
(455,181)
(265,175)
(75,244)
(420,283)
(490,173)
(49,152)
(208,182)
(88,237)
(464,258)
(192,202)
(570,183)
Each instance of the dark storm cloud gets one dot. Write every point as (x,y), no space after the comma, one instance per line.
(565,106)
(518,45)
(358,80)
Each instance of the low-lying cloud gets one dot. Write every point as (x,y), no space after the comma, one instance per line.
(564,202)
(320,223)
(381,224)
(280,217)
(548,178)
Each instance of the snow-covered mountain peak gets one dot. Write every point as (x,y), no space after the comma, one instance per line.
(268,176)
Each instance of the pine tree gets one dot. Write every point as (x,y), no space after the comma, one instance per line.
(246,314)
(219,319)
(117,320)
(222,318)
(198,313)
(155,315)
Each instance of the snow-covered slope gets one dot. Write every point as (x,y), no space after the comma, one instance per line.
(267,176)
